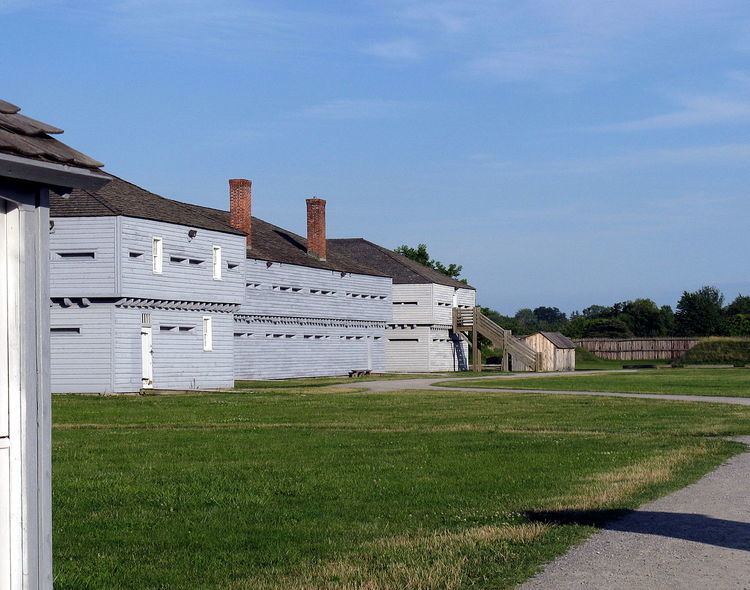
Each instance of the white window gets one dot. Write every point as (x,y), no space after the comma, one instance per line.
(217,263)
(208,333)
(157,255)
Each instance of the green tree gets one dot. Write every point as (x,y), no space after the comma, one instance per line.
(550,318)
(643,317)
(738,324)
(740,305)
(667,319)
(700,313)
(606,328)
(597,311)
(421,255)
(526,321)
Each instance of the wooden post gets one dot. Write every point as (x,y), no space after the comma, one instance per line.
(475,342)
(505,363)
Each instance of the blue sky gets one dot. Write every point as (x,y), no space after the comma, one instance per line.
(566,153)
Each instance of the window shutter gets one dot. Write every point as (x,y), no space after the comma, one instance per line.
(157,254)
(217,263)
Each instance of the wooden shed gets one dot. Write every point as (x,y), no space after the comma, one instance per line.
(31,163)
(555,351)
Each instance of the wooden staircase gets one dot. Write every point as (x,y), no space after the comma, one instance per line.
(474,321)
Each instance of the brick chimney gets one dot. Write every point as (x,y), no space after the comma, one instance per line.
(240,204)
(316,228)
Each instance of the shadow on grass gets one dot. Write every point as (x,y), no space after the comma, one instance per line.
(676,525)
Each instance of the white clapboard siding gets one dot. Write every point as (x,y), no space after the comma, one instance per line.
(413,304)
(442,305)
(82,257)
(179,280)
(179,360)
(25,483)
(299,291)
(279,350)
(408,349)
(466,298)
(81,348)
(443,354)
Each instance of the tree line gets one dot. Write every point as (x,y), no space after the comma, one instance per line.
(698,313)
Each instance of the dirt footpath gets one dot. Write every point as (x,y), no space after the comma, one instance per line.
(698,537)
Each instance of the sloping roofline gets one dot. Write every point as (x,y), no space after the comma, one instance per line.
(403,270)
(271,243)
(28,153)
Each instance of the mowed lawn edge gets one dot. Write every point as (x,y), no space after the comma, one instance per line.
(308,489)
(687,381)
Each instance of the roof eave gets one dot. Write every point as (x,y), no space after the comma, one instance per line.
(51,174)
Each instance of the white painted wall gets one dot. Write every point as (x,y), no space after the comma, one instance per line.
(419,333)
(25,432)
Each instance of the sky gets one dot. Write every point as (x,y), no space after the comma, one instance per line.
(565,153)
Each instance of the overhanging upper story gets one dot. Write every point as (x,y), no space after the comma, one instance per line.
(124,241)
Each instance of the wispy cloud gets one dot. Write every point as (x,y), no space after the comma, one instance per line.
(693,111)
(731,154)
(529,60)
(350,109)
(533,41)
(397,50)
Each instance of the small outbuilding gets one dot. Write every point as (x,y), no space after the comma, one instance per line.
(554,351)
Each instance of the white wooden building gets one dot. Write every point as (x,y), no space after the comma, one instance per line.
(149,292)
(31,163)
(419,334)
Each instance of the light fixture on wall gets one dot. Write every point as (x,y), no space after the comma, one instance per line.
(51,226)
(192,233)
(268,264)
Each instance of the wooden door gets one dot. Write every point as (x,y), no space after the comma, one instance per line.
(147,357)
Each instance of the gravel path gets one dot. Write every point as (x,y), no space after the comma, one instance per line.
(429,383)
(698,537)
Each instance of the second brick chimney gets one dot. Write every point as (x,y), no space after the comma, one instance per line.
(316,228)
(240,206)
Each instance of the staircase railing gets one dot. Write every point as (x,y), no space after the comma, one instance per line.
(474,320)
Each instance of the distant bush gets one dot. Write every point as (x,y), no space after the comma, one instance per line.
(584,355)
(717,351)
(739,325)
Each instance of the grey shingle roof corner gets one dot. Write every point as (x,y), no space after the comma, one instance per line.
(403,270)
(28,138)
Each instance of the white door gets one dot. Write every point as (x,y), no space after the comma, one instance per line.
(147,358)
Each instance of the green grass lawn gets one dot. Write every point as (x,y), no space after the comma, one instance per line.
(328,381)
(587,361)
(719,382)
(310,489)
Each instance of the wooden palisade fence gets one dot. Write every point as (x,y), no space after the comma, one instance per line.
(635,349)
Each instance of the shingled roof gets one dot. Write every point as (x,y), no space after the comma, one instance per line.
(28,138)
(121,197)
(558,339)
(270,242)
(403,270)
